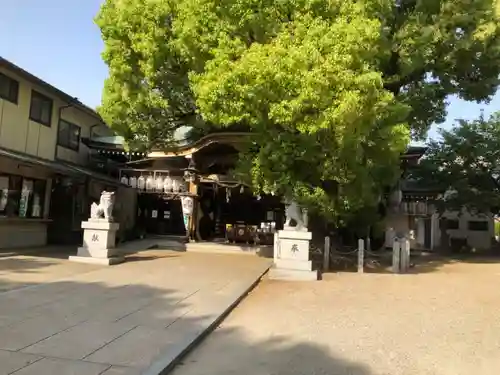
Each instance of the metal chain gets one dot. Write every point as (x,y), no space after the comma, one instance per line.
(373,254)
(333,251)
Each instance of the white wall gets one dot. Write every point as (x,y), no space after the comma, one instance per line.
(475,239)
(19,133)
(18,232)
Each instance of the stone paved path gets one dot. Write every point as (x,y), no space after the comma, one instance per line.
(442,321)
(58,317)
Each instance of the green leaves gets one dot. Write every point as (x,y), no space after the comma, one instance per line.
(331,90)
(465,164)
(147,95)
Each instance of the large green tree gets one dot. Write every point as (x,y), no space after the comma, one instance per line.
(464,166)
(331,90)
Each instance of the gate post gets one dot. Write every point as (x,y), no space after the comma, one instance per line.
(396,256)
(405,255)
(361,255)
(326,255)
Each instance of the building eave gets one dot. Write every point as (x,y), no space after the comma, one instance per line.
(189,149)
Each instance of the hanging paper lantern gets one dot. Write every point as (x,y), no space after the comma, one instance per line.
(175,185)
(159,183)
(141,183)
(133,182)
(124,180)
(167,184)
(150,183)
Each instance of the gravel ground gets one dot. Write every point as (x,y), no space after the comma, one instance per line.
(440,320)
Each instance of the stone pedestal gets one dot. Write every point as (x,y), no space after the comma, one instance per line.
(99,236)
(291,257)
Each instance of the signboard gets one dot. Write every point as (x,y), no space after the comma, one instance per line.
(25,196)
(4,192)
(187,210)
(187,205)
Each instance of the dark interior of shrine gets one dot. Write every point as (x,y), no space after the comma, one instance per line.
(235,206)
(220,202)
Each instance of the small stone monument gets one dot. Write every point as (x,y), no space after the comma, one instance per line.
(99,234)
(291,248)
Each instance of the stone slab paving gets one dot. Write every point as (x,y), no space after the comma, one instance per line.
(443,320)
(130,319)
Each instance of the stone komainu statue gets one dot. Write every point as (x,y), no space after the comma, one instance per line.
(105,207)
(294,212)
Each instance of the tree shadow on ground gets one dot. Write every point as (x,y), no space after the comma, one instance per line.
(429,262)
(13,268)
(24,265)
(137,257)
(47,251)
(121,318)
(276,356)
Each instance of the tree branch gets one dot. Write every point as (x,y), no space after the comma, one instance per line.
(394,86)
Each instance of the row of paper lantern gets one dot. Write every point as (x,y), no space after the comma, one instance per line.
(159,183)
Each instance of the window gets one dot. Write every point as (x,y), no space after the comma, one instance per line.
(13,196)
(21,197)
(9,88)
(478,225)
(69,135)
(452,224)
(41,108)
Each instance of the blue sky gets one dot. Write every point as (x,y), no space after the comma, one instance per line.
(60,43)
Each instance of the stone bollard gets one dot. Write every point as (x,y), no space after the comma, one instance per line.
(396,256)
(361,256)
(326,255)
(405,255)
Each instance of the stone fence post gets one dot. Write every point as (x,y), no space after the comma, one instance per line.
(400,255)
(361,256)
(405,255)
(326,255)
(396,253)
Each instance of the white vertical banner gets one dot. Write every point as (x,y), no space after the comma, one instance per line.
(4,192)
(187,210)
